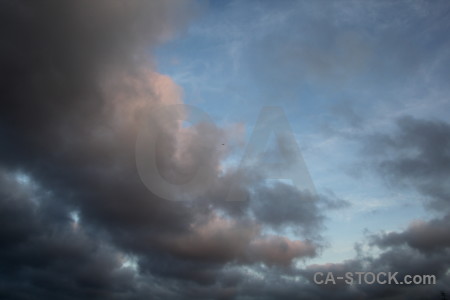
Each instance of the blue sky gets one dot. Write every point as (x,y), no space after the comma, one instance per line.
(339,70)
(93,153)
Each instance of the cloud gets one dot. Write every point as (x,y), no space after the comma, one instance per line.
(284,205)
(77,84)
(77,221)
(220,239)
(424,236)
(415,155)
(42,253)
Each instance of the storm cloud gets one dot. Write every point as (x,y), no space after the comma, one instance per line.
(79,83)
(77,221)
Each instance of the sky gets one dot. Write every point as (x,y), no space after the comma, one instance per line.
(178,149)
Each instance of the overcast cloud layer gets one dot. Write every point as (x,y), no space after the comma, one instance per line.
(78,84)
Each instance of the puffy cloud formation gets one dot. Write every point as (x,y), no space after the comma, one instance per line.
(78,84)
(77,222)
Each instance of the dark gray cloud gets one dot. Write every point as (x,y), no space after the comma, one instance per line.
(45,254)
(427,237)
(415,155)
(282,205)
(77,221)
(403,260)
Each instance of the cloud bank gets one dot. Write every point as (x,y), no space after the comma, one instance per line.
(77,84)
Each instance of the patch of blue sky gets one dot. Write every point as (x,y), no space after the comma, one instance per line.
(382,60)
